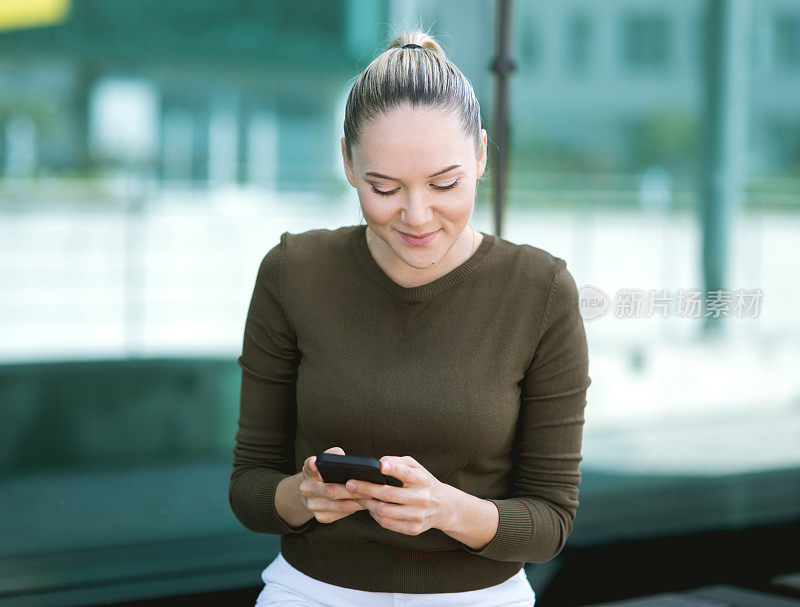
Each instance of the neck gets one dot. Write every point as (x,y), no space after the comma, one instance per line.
(409,276)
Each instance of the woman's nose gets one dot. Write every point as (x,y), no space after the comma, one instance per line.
(417,210)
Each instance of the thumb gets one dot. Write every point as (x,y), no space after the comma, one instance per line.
(313,460)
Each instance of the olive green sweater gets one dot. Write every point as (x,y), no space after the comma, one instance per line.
(480,375)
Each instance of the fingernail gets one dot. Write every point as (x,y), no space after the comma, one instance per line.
(386,467)
(351,486)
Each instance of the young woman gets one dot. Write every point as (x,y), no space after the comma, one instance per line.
(456,358)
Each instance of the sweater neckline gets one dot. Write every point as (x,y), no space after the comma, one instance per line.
(428,290)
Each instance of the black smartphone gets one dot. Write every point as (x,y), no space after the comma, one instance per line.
(335,468)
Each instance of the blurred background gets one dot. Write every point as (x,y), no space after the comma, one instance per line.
(151,153)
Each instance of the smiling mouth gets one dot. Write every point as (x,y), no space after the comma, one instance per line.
(419,235)
(419,241)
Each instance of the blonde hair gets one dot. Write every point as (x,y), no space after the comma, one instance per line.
(419,76)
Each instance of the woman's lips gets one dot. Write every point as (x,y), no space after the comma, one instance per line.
(419,242)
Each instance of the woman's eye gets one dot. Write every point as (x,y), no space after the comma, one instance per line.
(447,187)
(382,193)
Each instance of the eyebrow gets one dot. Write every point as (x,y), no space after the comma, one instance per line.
(445,170)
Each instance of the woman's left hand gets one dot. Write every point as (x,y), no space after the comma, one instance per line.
(415,507)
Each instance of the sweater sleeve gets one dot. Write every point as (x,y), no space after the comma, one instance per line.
(264,451)
(535,521)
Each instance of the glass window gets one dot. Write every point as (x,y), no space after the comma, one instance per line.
(578,40)
(645,41)
(529,44)
(787,41)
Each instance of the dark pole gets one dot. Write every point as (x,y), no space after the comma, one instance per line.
(725,141)
(502,66)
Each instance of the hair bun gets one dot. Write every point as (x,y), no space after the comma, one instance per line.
(416,38)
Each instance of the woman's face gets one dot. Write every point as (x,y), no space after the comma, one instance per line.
(415,172)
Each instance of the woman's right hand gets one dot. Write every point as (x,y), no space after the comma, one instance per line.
(328,502)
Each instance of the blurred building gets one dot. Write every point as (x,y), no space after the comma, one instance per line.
(248,92)
(628,76)
(201,90)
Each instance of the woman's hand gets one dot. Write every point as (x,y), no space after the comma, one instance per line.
(420,504)
(328,502)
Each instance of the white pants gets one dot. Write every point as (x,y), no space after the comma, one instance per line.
(284,585)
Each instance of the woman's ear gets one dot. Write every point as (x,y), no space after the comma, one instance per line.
(348,169)
(482,159)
